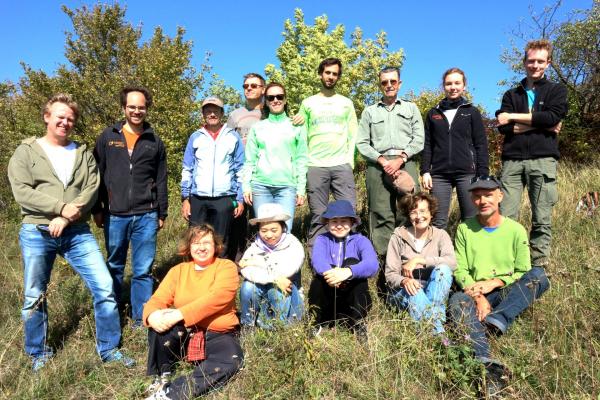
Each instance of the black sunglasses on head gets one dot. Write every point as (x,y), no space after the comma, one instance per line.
(485,178)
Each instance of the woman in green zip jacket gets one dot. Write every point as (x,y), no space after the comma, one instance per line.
(276,157)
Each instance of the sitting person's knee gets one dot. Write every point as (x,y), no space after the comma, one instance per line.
(538,276)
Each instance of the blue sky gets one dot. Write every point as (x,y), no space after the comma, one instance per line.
(243,36)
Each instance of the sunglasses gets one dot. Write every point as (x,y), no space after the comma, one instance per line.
(251,85)
(389,82)
(485,178)
(272,97)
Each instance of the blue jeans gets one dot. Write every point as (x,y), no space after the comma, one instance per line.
(285,196)
(78,246)
(507,303)
(261,304)
(141,231)
(429,303)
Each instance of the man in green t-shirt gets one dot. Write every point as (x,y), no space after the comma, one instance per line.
(495,275)
(331,126)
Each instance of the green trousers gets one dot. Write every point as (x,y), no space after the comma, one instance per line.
(384,216)
(539,176)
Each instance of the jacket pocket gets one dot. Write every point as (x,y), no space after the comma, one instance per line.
(378,127)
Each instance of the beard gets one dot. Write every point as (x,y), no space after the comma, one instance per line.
(327,85)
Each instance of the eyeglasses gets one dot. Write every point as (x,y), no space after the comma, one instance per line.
(389,82)
(418,213)
(136,108)
(204,243)
(251,85)
(485,178)
(275,96)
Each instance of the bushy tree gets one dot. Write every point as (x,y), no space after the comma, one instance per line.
(575,63)
(105,53)
(305,46)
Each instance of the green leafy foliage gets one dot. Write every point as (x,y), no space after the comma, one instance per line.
(305,46)
(105,53)
(575,63)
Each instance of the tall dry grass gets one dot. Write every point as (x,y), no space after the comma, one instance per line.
(552,350)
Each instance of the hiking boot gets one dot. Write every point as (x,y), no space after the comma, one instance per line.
(496,379)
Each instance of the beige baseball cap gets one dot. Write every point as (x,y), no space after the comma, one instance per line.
(213,100)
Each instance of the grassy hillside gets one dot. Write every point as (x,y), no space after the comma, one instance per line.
(553,350)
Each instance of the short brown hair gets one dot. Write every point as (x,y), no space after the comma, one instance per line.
(199,231)
(128,89)
(541,44)
(411,201)
(454,70)
(65,99)
(255,75)
(330,61)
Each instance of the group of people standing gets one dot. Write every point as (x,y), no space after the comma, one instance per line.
(273,162)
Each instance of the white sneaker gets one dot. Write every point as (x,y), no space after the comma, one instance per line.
(158,383)
(161,394)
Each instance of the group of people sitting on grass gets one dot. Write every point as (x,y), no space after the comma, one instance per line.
(264,159)
(192,314)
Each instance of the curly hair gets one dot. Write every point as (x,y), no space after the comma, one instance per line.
(411,201)
(541,44)
(198,232)
(134,88)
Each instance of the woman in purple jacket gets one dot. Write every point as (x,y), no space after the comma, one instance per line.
(342,261)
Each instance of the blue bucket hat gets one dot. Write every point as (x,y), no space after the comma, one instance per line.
(341,209)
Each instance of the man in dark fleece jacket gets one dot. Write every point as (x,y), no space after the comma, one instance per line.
(132,203)
(530,119)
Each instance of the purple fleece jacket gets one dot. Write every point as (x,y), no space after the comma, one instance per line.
(328,252)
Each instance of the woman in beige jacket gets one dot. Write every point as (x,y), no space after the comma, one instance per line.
(419,264)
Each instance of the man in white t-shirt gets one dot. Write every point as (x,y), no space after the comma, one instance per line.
(55,181)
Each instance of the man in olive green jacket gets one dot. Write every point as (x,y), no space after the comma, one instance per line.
(390,134)
(55,181)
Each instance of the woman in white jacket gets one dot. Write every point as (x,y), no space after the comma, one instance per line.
(271,270)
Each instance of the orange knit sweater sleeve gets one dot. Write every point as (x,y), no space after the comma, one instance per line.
(164,295)
(218,298)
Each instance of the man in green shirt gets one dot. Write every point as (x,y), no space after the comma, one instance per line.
(331,137)
(495,275)
(390,134)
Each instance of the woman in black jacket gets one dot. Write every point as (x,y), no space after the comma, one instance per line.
(456,148)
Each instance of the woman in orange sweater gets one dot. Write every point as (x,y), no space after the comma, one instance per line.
(192,317)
